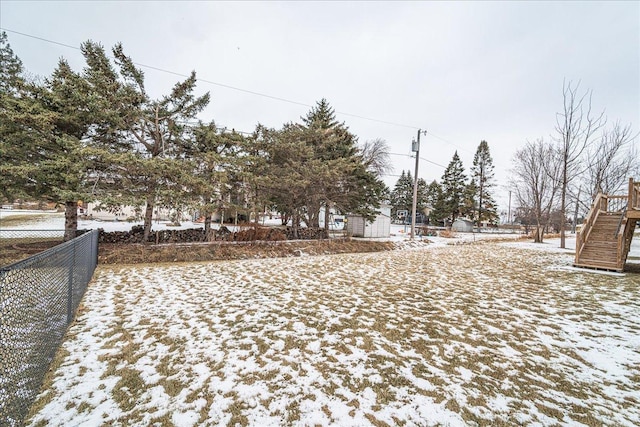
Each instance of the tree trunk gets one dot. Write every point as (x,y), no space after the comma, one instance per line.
(148,217)
(295,223)
(539,227)
(480,199)
(207,223)
(326,220)
(539,233)
(563,207)
(207,228)
(70,220)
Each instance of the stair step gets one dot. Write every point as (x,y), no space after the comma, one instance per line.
(597,263)
(600,249)
(605,243)
(601,245)
(599,253)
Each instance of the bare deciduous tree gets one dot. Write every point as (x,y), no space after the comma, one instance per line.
(576,127)
(375,156)
(534,183)
(612,161)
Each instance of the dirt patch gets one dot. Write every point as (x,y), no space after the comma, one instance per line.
(141,254)
(14,250)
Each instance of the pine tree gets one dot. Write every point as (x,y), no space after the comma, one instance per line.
(147,156)
(211,155)
(482,176)
(62,175)
(11,69)
(469,204)
(22,121)
(453,187)
(401,198)
(339,177)
(437,203)
(43,133)
(292,170)
(402,194)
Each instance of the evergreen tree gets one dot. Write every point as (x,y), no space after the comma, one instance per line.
(147,157)
(453,187)
(11,69)
(482,176)
(62,174)
(402,194)
(292,170)
(401,197)
(22,122)
(43,130)
(340,177)
(469,204)
(437,203)
(25,126)
(211,155)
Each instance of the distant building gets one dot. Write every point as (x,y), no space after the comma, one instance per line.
(357,226)
(463,225)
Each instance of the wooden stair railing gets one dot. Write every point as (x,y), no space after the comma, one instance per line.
(628,207)
(625,236)
(627,228)
(581,239)
(634,194)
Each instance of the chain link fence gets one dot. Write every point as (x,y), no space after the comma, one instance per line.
(16,245)
(38,299)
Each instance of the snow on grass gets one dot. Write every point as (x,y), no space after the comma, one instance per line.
(460,335)
(51,220)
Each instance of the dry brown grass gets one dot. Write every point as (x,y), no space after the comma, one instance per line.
(447,234)
(142,254)
(484,334)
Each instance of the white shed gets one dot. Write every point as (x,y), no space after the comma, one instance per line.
(462,224)
(357,226)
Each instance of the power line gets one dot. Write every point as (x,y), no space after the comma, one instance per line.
(421,158)
(449,142)
(251,92)
(277,98)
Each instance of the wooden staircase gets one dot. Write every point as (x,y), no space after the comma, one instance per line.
(605,239)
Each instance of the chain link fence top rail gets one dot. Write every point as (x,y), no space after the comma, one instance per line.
(38,299)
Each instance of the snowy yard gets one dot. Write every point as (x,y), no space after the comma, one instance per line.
(486,334)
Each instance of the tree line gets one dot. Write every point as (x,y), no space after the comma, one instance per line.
(585,156)
(456,195)
(97,135)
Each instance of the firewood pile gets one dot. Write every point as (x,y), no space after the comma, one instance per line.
(307,234)
(260,233)
(190,235)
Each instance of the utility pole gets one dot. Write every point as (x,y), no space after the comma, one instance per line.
(415,147)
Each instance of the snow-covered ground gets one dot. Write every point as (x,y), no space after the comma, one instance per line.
(453,335)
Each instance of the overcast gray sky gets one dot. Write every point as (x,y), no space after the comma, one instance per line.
(463,71)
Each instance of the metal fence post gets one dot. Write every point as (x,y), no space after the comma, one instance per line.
(70,287)
(96,246)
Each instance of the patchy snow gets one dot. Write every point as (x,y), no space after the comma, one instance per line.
(457,335)
(51,220)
